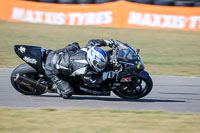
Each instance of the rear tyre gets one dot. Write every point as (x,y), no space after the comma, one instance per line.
(25,70)
(184,3)
(66,1)
(164,2)
(140,88)
(197,4)
(144,1)
(85,1)
(48,1)
(103,1)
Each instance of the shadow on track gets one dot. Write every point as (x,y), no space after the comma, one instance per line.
(151,100)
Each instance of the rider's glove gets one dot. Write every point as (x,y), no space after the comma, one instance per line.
(109,43)
(108,75)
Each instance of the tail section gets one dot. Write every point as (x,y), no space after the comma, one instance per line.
(32,55)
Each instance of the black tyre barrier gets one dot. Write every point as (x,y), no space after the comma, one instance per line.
(32,0)
(131,0)
(184,3)
(197,4)
(67,1)
(144,1)
(182,0)
(196,0)
(85,1)
(48,1)
(103,1)
(164,2)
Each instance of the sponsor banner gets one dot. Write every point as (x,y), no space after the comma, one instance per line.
(113,14)
(164,17)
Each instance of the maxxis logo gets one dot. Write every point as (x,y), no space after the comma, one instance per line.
(163,20)
(60,18)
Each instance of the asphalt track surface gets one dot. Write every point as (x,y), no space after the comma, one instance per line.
(170,93)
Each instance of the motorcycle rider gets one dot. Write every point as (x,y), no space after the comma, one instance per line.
(75,61)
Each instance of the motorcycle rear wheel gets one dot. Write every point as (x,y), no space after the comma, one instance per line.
(144,87)
(25,70)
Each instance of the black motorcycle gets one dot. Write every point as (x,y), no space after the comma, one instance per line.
(131,80)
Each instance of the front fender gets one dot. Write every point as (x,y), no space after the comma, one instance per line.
(143,74)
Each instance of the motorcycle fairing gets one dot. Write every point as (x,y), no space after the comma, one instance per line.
(143,74)
(32,55)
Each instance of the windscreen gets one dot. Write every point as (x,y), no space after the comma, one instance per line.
(126,51)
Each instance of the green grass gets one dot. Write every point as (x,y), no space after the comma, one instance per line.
(96,121)
(165,52)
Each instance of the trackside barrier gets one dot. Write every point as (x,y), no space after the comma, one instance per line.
(113,14)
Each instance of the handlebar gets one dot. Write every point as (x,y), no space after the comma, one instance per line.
(114,44)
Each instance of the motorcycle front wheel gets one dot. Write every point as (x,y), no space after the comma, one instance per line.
(138,88)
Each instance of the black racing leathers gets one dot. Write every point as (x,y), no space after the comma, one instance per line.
(72,61)
(57,62)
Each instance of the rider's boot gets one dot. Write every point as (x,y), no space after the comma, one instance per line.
(64,88)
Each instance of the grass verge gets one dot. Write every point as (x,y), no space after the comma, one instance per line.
(166,52)
(96,121)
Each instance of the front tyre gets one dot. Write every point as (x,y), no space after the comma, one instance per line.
(28,71)
(138,88)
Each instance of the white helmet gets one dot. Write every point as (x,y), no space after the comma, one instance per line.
(97,58)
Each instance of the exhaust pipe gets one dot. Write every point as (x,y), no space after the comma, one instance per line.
(31,83)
